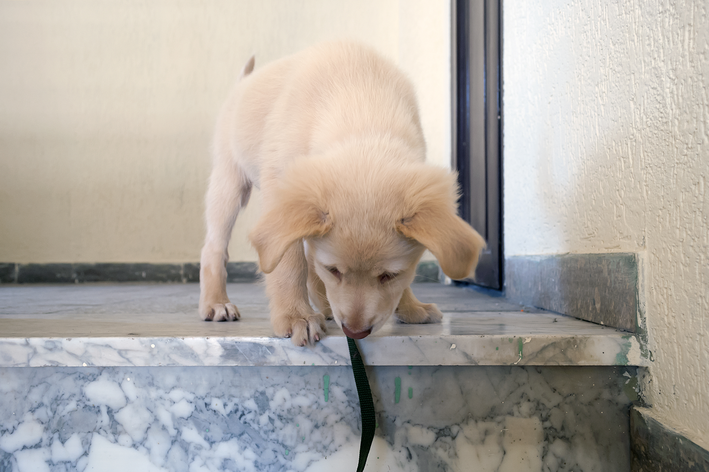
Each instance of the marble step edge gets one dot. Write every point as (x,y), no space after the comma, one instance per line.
(613,349)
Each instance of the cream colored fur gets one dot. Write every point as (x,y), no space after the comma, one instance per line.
(332,138)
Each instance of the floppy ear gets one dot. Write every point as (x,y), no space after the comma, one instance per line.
(433,221)
(295,216)
(282,226)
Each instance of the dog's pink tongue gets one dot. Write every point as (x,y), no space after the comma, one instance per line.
(360,335)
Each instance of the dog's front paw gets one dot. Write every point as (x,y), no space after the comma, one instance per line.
(419,313)
(301,328)
(218,311)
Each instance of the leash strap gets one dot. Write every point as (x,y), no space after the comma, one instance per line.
(366,404)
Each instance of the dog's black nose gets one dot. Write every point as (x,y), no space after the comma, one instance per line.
(356,335)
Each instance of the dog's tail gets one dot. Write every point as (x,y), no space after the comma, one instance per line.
(248,67)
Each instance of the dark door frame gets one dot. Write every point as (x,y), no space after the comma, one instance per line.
(477,127)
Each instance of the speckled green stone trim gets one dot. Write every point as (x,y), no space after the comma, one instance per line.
(656,448)
(237,272)
(601,288)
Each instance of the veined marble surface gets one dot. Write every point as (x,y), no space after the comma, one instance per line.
(157,325)
(480,419)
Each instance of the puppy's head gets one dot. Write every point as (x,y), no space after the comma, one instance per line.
(364,277)
(366,223)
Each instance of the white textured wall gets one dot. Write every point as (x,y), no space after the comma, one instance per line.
(107,109)
(607,149)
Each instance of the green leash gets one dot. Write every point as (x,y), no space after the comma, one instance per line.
(366,404)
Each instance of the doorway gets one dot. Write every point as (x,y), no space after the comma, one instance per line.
(477,126)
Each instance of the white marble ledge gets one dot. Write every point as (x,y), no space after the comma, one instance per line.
(157,325)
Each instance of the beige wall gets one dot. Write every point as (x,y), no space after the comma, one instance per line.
(107,108)
(606,150)
(424,53)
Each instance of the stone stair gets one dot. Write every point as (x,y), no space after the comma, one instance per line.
(126,376)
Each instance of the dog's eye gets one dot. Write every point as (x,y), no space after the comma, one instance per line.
(335,272)
(386,277)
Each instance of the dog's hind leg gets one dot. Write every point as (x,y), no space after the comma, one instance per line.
(229,191)
(410,310)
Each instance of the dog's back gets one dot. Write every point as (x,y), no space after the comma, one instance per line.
(302,104)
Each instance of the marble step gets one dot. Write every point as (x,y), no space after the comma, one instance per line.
(157,325)
(126,377)
(306,419)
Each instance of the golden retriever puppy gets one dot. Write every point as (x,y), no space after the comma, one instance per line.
(332,137)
